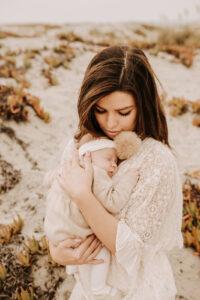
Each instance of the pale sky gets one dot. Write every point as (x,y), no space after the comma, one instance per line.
(65,11)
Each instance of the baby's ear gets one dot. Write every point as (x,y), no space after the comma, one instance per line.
(127,144)
(85,139)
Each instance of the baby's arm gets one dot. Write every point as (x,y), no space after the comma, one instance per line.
(112,195)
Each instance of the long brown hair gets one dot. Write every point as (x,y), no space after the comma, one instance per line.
(122,68)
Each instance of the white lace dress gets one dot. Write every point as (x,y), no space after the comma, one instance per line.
(149,226)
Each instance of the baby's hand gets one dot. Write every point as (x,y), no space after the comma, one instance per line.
(133,175)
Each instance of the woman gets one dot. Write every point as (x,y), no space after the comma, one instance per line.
(119,93)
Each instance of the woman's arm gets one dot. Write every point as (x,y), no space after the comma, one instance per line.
(77,182)
(102,223)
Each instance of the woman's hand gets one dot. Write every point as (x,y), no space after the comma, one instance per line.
(75,180)
(74,252)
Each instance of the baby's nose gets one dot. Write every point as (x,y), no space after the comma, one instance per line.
(114,165)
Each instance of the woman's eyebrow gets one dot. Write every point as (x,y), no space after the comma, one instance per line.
(119,109)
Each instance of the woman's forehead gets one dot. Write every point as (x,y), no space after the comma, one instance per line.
(117,101)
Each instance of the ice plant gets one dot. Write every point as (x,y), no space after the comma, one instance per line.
(5,233)
(52,80)
(25,294)
(70,37)
(196,121)
(14,104)
(191,216)
(178,106)
(32,245)
(3,272)
(9,70)
(43,246)
(50,262)
(196,106)
(24,258)
(53,62)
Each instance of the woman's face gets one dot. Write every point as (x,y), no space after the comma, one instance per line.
(116,112)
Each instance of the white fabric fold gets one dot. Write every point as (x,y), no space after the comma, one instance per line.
(96,145)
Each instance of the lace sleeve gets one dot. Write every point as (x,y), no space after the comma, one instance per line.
(148,218)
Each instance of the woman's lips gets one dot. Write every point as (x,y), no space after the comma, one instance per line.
(112,132)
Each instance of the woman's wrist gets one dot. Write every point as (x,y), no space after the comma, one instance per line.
(83,197)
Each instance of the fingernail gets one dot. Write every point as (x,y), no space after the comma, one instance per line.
(102,245)
(87,154)
(78,240)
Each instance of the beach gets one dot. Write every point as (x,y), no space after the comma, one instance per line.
(29,149)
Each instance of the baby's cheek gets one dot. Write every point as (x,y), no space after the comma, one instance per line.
(115,171)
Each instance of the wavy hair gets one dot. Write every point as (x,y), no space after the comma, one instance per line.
(126,69)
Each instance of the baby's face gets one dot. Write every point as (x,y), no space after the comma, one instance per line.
(105,159)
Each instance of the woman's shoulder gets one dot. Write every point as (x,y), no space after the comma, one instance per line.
(158,151)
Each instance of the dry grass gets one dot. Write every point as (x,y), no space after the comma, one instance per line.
(183,36)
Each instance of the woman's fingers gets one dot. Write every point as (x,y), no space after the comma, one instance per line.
(88,161)
(73,251)
(92,256)
(85,245)
(70,243)
(95,243)
(87,248)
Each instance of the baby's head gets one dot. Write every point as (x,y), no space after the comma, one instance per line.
(103,153)
(106,159)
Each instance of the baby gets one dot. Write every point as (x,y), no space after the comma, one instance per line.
(63,218)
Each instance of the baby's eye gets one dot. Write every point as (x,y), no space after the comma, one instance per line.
(125,114)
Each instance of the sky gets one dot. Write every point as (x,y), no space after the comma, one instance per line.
(67,11)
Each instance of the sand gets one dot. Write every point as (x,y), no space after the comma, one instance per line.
(46,141)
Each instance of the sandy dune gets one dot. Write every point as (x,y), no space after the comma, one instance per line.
(44,142)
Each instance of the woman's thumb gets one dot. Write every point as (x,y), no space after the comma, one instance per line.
(88,160)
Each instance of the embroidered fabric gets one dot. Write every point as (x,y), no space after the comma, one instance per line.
(150,223)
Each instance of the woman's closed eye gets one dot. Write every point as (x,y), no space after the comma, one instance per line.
(125,114)
(99,111)
(120,113)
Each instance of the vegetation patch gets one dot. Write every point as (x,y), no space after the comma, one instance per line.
(17,268)
(14,104)
(9,177)
(179,106)
(191,214)
(9,70)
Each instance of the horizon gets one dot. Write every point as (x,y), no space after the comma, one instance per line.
(96,11)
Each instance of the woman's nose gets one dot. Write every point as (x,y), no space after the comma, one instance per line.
(111,122)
